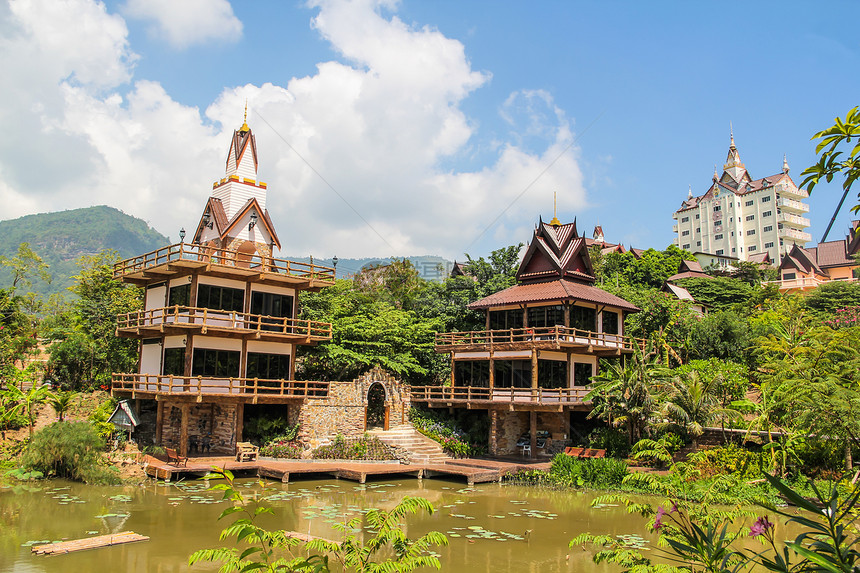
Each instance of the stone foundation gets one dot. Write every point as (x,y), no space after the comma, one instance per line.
(216,420)
(511,425)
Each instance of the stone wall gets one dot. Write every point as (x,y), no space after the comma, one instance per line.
(511,425)
(216,420)
(343,410)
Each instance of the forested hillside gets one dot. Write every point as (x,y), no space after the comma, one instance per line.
(61,238)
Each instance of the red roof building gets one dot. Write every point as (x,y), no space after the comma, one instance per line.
(806,268)
(530,366)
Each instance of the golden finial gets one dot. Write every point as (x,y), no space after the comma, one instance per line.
(245,122)
(555,222)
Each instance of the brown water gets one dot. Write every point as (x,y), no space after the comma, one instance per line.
(486,525)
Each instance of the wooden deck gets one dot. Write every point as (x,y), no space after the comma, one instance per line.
(541,338)
(183,320)
(472,470)
(182,258)
(250,390)
(88,543)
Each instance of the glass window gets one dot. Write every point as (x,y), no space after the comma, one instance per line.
(718,237)
(610,322)
(789,276)
(215,363)
(750,217)
(179,295)
(685,233)
(768,229)
(582,374)
(270,304)
(767,214)
(583,318)
(174,362)
(543,316)
(751,232)
(765,199)
(474,373)
(511,373)
(552,374)
(268,366)
(506,319)
(685,219)
(749,203)
(221,298)
(768,245)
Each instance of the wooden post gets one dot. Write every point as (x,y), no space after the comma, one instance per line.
(189,347)
(494,427)
(243,360)
(240,420)
(292,361)
(387,413)
(492,371)
(533,432)
(183,431)
(534,369)
(159,421)
(453,364)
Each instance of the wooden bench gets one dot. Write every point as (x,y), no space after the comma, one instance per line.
(246,452)
(585,453)
(173,457)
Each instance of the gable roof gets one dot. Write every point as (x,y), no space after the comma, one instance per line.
(264,219)
(217,218)
(555,252)
(833,254)
(802,259)
(760,258)
(548,291)
(242,141)
(679,292)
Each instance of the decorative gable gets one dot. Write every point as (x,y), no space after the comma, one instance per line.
(556,252)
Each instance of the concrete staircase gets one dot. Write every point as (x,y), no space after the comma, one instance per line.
(423,449)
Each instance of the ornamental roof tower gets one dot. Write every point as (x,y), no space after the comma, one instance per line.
(235,216)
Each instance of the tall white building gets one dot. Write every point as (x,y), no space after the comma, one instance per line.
(741,217)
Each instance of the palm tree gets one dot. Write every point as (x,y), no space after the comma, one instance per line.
(61,402)
(692,403)
(30,399)
(625,394)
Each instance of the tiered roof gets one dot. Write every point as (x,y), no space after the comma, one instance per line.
(555,267)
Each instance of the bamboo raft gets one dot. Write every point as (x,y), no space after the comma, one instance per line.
(88,543)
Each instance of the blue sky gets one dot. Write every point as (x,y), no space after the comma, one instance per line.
(447,125)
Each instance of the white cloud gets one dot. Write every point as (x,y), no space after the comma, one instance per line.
(377,126)
(184,23)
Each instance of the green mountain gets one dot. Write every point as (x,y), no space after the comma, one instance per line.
(60,238)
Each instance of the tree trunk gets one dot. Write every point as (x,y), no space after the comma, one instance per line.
(849,460)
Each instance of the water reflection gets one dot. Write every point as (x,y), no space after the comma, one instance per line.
(491,527)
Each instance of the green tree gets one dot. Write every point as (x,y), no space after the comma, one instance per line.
(723,334)
(838,151)
(692,404)
(25,266)
(31,398)
(719,293)
(625,394)
(61,402)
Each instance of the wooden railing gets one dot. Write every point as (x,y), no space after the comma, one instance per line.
(527,336)
(504,395)
(240,321)
(222,257)
(199,386)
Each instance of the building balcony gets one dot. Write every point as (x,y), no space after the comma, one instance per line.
(802,283)
(792,205)
(795,234)
(674,228)
(251,390)
(793,220)
(793,192)
(184,319)
(182,258)
(511,397)
(546,338)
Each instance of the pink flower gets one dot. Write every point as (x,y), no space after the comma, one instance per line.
(760,527)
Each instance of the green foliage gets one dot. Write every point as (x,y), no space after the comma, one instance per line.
(372,543)
(719,293)
(279,449)
(445,430)
(61,402)
(825,301)
(692,404)
(603,473)
(100,416)
(267,427)
(838,154)
(71,450)
(616,442)
(730,459)
(25,266)
(21,474)
(722,334)
(362,448)
(366,333)
(650,270)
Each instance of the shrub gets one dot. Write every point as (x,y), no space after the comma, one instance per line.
(452,439)
(70,450)
(589,472)
(612,440)
(289,450)
(363,448)
(730,460)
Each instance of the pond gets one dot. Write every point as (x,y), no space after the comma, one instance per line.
(491,527)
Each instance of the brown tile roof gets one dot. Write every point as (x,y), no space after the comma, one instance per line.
(689,275)
(750,187)
(558,290)
(692,266)
(834,254)
(760,258)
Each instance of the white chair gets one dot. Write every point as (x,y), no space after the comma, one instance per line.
(527,449)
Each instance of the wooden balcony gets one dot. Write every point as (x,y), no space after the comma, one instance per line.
(185,319)
(546,338)
(250,390)
(184,257)
(510,398)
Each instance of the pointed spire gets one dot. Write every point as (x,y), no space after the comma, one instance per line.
(690,190)
(731,134)
(784,164)
(715,173)
(245,122)
(555,222)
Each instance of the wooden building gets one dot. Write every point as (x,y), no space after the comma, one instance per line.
(530,366)
(804,268)
(218,332)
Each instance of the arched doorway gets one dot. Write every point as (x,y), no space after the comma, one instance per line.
(376,411)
